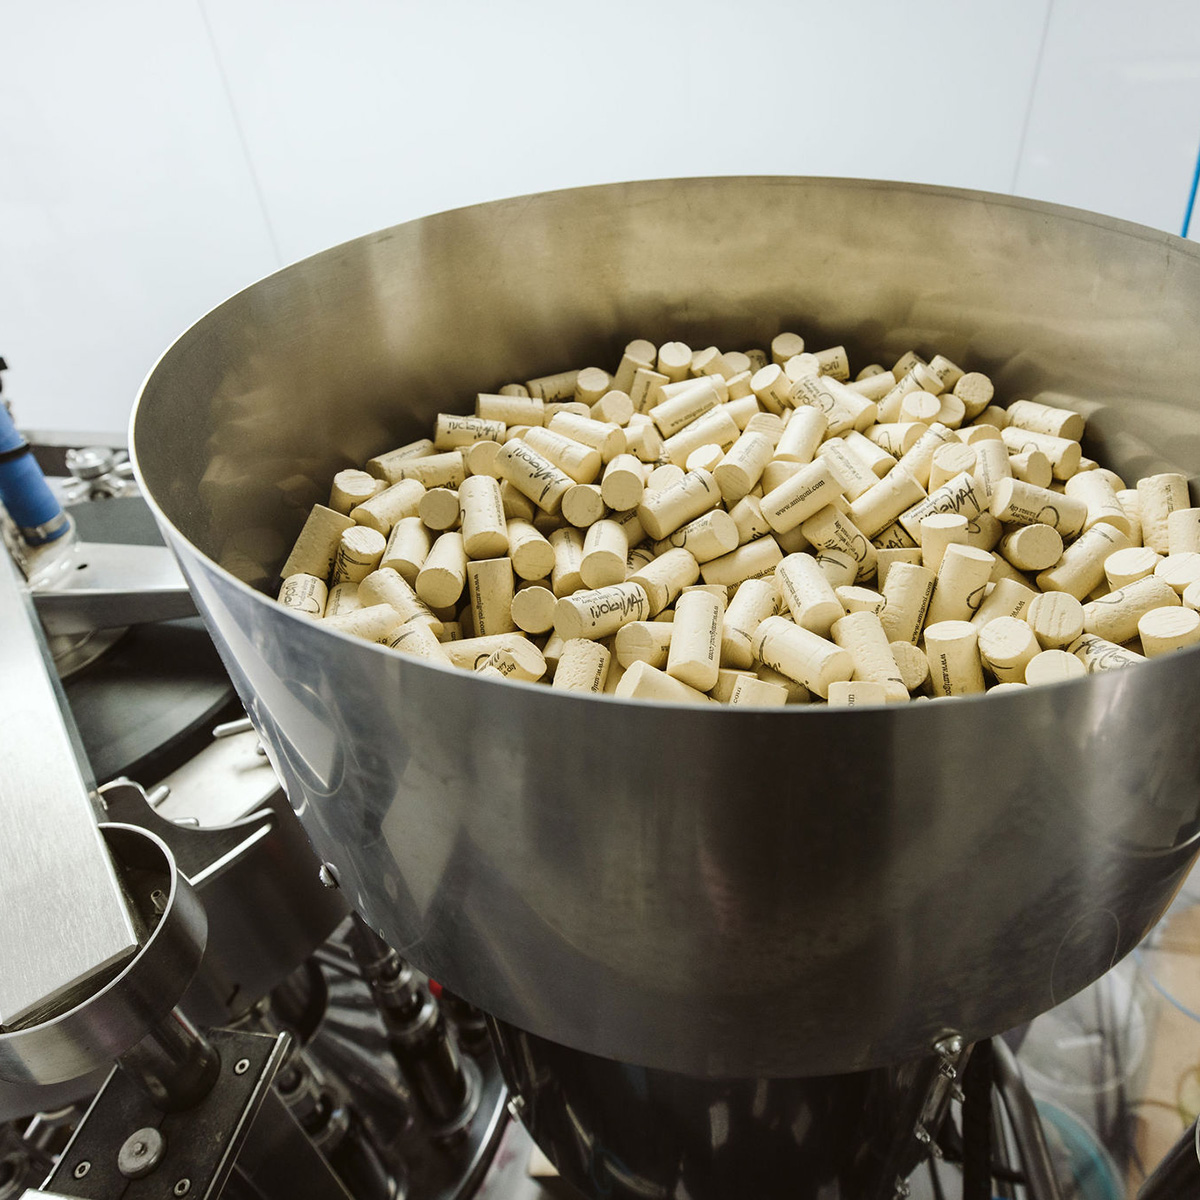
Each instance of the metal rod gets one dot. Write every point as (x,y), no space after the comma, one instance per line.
(1040,1179)
(174,1063)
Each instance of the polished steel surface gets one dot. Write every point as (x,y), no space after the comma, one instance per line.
(722,893)
(118,1016)
(63,920)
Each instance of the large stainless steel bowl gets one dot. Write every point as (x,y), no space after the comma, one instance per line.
(715,892)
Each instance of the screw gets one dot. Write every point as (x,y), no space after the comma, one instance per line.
(141,1152)
(950,1046)
(241,1066)
(182,1187)
(82,1169)
(328,876)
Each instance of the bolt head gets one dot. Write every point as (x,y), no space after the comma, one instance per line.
(182,1187)
(241,1066)
(950,1046)
(141,1152)
(82,1169)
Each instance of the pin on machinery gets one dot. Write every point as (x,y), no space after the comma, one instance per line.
(720,953)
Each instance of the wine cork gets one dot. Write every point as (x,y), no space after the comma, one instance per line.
(843,409)
(1007,598)
(1032,547)
(951,411)
(664,577)
(893,537)
(513,389)
(742,466)
(936,533)
(715,428)
(352,487)
(484,529)
(749,690)
(343,598)
(510,410)
(359,550)
(908,591)
(886,558)
(1097,494)
(643,641)
(918,459)
(1096,654)
(574,407)
(1165,629)
(394,503)
(889,406)
(748,516)
(583,505)
(639,355)
(471,653)
(644,441)
(1183,531)
(801,496)
(443,575)
(567,545)
(522,661)
(897,438)
(858,693)
(385,466)
(879,506)
(1191,595)
(853,475)
(860,599)
(1158,497)
(447,469)
(622,486)
(957,495)
(1115,617)
(531,554)
(975,391)
(984,531)
(560,386)
(962,580)
(517,506)
(304,594)
(801,436)
(317,546)
(606,437)
(694,655)
(662,477)
(583,666)
(416,639)
(874,387)
(752,603)
(532,608)
(973,435)
(604,550)
(751,561)
(438,509)
(786,345)
(706,458)
(1006,646)
(802,655)
(1054,666)
(581,462)
(797,693)
(533,475)
(661,513)
(807,593)
(674,415)
(614,408)
(1032,467)
(1129,565)
(590,384)
(1064,454)
(911,664)
(644,389)
(830,529)
(875,458)
(1056,619)
(862,635)
(407,548)
(1044,418)
(386,586)
(837,566)
(945,370)
(710,361)
(1128,499)
(919,406)
(991,465)
(952,648)
(1180,571)
(454,431)
(490,585)
(773,388)
(707,537)
(950,459)
(994,416)
(641,681)
(1081,567)
(372,623)
(776,473)
(600,612)
(757,421)
(675,360)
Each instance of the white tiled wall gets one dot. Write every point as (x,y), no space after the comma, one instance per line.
(156,155)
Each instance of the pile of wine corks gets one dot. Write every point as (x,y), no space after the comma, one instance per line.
(755,528)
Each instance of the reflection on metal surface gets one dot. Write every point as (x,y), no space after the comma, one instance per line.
(730,894)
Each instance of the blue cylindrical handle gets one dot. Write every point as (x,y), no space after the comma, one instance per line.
(24,490)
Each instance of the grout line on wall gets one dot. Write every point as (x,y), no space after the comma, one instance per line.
(1037,75)
(241,133)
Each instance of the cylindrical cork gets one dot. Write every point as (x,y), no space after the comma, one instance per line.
(802,655)
(351,488)
(874,386)
(316,547)
(641,681)
(1006,646)
(955,668)
(304,594)
(952,411)
(742,466)
(858,693)
(908,591)
(1097,654)
(694,656)
(961,583)
(438,509)
(532,555)
(690,404)
(473,652)
(533,475)
(1044,418)
(664,577)
(748,517)
(1094,491)
(613,407)
(1179,570)
(837,566)
(880,505)
(749,690)
(1007,598)
(716,428)
(937,532)
(911,663)
(522,661)
(707,537)
(407,548)
(919,406)
(862,635)
(343,598)
(957,495)
(876,459)
(385,508)
(359,550)
(1063,453)
(860,599)
(622,486)
(416,639)
(643,641)
(1032,547)
(768,424)
(1115,617)
(372,623)
(443,575)
(600,612)
(385,466)
(991,465)
(1056,619)
(583,666)
(512,410)
(975,391)
(786,345)
(1054,666)
(645,389)
(583,505)
(454,431)
(829,528)
(1183,531)
(752,603)
(1165,629)
(447,469)
(590,384)
(386,586)
(1130,565)
(808,594)
(802,435)
(565,576)
(490,583)
(639,355)
(897,438)
(661,513)
(604,550)
(773,388)
(797,693)
(886,559)
(517,506)
(893,537)
(949,460)
(1032,467)
(975,433)
(751,561)
(581,462)
(484,529)
(918,459)
(853,475)
(605,436)
(533,608)
(675,360)
(1128,499)
(1081,568)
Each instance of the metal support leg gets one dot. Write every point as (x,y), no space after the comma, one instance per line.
(1041,1181)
